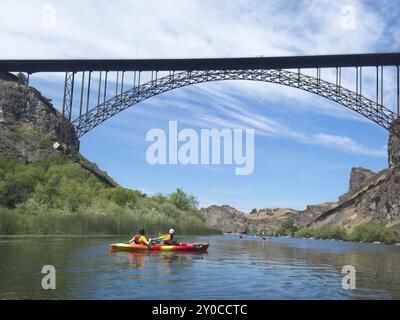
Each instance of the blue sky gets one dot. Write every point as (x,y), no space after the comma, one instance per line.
(305,146)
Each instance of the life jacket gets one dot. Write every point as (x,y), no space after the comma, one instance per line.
(136,238)
(170,240)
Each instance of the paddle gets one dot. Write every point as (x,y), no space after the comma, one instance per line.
(162,237)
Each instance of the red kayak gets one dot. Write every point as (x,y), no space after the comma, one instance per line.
(159,247)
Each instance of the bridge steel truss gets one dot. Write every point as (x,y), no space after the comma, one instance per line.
(373,110)
(88,113)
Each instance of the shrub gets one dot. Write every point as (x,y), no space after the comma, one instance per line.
(304,233)
(326,232)
(373,232)
(122,196)
(18,186)
(331,232)
(58,196)
(287,228)
(183,201)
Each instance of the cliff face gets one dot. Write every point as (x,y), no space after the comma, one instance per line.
(272,218)
(371,198)
(359,177)
(29,125)
(378,201)
(394,144)
(225,218)
(229,219)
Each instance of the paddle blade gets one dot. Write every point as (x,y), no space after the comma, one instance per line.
(163,237)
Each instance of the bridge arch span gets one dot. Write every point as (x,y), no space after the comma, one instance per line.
(350,99)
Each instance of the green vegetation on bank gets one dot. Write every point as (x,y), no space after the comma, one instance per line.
(366,232)
(58,196)
(327,232)
(374,232)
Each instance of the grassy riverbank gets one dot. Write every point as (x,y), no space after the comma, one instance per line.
(58,196)
(362,233)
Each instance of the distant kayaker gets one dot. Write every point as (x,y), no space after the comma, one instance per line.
(169,240)
(140,238)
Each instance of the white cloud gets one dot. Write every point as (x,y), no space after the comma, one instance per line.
(346,144)
(220,111)
(188,28)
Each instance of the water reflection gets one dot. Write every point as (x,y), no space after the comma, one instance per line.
(163,259)
(321,261)
(233,268)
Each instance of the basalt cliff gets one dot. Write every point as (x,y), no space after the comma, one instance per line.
(32,129)
(373,197)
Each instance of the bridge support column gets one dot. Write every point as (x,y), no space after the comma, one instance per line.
(67,132)
(68,95)
(398,92)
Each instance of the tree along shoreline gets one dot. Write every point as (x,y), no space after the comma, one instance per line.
(56,196)
(365,233)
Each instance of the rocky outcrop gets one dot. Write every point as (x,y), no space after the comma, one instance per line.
(231,220)
(394,144)
(359,177)
(377,202)
(373,197)
(316,209)
(29,124)
(272,218)
(225,218)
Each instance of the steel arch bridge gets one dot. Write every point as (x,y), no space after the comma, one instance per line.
(352,100)
(88,113)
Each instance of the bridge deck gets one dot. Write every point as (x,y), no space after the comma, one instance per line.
(290,62)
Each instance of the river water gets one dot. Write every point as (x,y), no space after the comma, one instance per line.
(233,268)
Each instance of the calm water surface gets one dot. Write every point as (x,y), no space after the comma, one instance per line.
(250,268)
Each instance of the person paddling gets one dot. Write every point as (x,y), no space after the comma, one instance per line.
(169,240)
(140,238)
(166,239)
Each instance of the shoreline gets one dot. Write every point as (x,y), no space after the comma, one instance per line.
(305,238)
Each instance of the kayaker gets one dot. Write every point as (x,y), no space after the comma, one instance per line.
(169,240)
(140,238)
